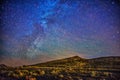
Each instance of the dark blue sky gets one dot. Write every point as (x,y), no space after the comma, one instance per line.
(41,30)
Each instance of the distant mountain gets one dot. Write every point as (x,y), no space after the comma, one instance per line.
(76,61)
(71,61)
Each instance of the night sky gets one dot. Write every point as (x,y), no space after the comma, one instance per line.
(33,31)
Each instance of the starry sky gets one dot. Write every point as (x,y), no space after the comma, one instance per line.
(33,31)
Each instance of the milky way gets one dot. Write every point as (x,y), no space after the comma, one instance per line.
(40,30)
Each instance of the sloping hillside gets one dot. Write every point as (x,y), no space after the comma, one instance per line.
(105,62)
(76,61)
(72,61)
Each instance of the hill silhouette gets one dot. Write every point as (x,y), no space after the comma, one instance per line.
(76,61)
(71,61)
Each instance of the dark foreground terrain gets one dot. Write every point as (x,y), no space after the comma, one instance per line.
(73,68)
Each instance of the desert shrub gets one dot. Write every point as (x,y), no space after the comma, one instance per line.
(21,74)
(34,74)
(25,72)
(10,73)
(14,75)
(93,73)
(32,79)
(77,78)
(107,73)
(70,69)
(69,77)
(30,73)
(61,76)
(54,71)
(42,72)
